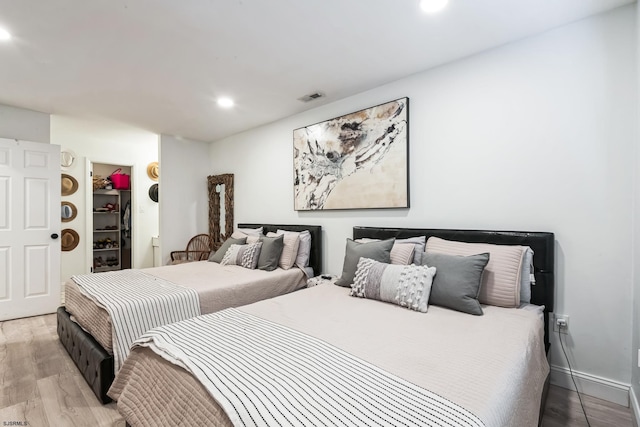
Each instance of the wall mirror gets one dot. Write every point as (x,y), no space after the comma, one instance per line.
(220,207)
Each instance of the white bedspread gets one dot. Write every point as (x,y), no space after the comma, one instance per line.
(265,374)
(492,365)
(218,287)
(127,295)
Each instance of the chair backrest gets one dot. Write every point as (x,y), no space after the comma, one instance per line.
(201,242)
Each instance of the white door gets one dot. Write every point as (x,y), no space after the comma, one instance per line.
(29,228)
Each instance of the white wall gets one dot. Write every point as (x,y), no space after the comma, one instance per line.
(27,125)
(535,135)
(635,347)
(184,201)
(110,143)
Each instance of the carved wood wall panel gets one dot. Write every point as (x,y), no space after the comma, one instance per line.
(226,182)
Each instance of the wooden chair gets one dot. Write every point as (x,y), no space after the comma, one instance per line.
(198,249)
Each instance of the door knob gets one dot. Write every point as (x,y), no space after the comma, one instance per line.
(54,236)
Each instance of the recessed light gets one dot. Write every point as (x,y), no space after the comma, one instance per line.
(4,35)
(432,6)
(225,102)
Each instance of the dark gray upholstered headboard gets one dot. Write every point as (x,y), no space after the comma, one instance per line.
(315,258)
(542,243)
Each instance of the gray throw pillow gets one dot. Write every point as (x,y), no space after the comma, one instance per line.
(219,254)
(377,251)
(457,281)
(270,252)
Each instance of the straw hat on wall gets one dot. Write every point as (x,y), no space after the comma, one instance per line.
(69,240)
(153,171)
(69,184)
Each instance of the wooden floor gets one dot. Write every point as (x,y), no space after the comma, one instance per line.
(40,385)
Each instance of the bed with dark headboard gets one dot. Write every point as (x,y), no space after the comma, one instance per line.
(315,259)
(542,244)
(492,365)
(97,365)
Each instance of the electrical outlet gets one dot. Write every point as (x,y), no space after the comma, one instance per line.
(561,319)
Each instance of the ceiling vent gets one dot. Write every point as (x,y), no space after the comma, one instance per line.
(311,97)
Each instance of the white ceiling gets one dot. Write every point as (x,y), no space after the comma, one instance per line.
(160,64)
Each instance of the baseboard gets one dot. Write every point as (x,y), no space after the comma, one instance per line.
(635,406)
(602,388)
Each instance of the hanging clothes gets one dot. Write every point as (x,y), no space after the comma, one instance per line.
(126,220)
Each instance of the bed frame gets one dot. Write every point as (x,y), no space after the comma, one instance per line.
(542,243)
(93,361)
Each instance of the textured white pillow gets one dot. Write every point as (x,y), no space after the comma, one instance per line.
(304,247)
(243,255)
(404,285)
(291,241)
(501,277)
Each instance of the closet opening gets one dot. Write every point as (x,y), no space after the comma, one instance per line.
(111,217)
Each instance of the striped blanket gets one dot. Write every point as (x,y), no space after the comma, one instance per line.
(137,302)
(264,374)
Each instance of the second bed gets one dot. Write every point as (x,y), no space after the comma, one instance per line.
(86,328)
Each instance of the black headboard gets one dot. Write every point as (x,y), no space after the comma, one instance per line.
(542,243)
(315,258)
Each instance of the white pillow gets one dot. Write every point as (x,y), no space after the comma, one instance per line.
(291,241)
(401,253)
(251,231)
(419,243)
(251,238)
(526,276)
(304,247)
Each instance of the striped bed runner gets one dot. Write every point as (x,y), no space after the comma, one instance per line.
(137,302)
(264,374)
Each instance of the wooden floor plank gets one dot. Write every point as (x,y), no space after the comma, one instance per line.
(18,390)
(63,401)
(563,409)
(106,415)
(30,412)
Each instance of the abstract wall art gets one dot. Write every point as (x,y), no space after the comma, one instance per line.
(356,161)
